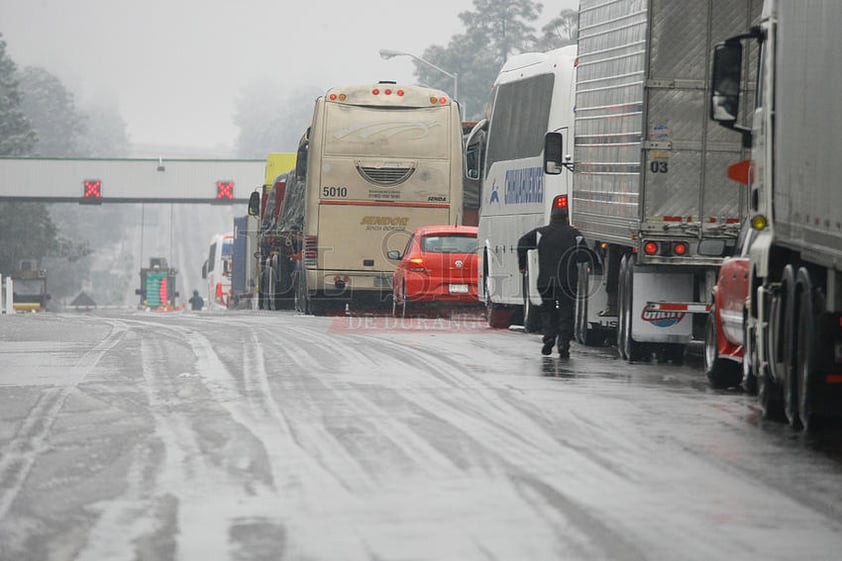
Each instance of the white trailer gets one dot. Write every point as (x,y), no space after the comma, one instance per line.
(532,95)
(793,314)
(650,191)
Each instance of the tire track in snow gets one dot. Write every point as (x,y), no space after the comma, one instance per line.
(303,496)
(31,440)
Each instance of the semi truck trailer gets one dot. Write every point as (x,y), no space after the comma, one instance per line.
(792,325)
(649,191)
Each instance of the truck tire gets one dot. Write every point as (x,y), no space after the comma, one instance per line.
(621,304)
(584,333)
(271,286)
(632,350)
(788,356)
(721,372)
(769,393)
(749,382)
(805,351)
(301,300)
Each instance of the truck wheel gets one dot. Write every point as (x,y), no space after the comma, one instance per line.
(721,372)
(805,351)
(301,301)
(621,303)
(582,333)
(585,334)
(787,345)
(633,350)
(271,282)
(749,382)
(769,393)
(261,291)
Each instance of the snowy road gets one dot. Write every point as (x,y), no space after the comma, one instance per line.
(258,436)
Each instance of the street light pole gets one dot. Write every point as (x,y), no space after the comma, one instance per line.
(388,53)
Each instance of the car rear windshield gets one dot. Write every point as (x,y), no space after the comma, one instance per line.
(450,243)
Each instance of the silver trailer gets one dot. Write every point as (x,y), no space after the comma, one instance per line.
(650,187)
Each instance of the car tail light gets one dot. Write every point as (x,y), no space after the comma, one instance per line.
(416,264)
(311,251)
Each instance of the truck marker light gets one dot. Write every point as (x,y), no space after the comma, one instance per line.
(387,91)
(443,100)
(650,248)
(679,248)
(400,93)
(332,97)
(375,91)
(759,222)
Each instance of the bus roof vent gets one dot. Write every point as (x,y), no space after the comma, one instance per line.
(388,175)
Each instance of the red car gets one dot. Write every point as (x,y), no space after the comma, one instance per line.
(439,265)
(725,332)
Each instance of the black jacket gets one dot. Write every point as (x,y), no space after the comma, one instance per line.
(558,252)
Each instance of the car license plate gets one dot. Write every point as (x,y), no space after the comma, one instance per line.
(458,288)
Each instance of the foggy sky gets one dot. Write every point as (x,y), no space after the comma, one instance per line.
(176,67)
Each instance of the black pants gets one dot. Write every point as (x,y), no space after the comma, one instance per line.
(557,315)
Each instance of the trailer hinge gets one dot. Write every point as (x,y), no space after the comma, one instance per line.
(657,145)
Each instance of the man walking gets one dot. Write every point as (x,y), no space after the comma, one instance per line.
(557,245)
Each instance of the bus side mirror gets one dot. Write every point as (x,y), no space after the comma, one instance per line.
(553,153)
(254,204)
(205,269)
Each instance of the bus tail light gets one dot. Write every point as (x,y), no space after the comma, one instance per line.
(311,251)
(560,201)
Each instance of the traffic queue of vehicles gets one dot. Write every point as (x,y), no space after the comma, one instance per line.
(619,128)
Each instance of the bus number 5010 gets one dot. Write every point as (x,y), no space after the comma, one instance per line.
(335,192)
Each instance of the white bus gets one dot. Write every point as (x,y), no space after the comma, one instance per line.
(533,94)
(378,161)
(217,270)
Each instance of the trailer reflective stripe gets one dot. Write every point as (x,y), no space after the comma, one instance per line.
(688,307)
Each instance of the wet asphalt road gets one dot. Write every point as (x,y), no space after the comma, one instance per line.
(257,436)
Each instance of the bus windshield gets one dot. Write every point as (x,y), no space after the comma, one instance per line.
(392,133)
